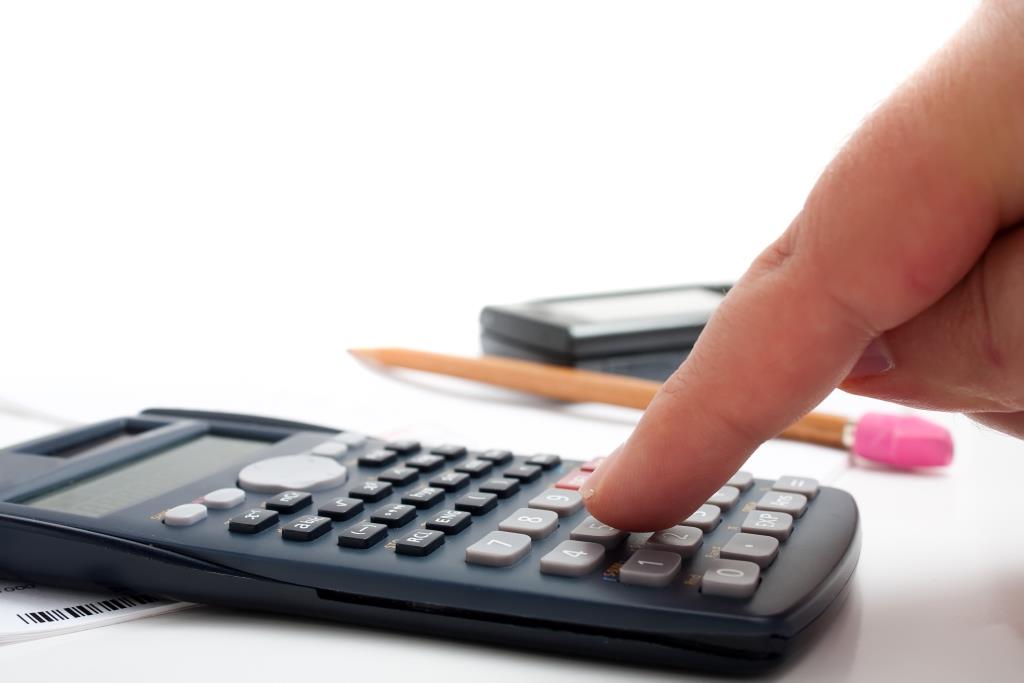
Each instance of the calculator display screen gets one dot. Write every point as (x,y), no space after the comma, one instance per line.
(152,475)
(700,303)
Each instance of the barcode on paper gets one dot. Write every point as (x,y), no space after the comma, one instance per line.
(88,609)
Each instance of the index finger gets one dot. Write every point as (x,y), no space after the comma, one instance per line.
(900,216)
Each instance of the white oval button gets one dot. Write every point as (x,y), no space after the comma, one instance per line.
(299,472)
(185,515)
(224,499)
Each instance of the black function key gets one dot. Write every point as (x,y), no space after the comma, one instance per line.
(371,491)
(425,462)
(394,515)
(403,447)
(362,535)
(545,460)
(423,498)
(341,509)
(523,472)
(449,451)
(289,501)
(477,503)
(449,521)
(400,476)
(419,543)
(252,521)
(475,468)
(306,528)
(450,481)
(504,488)
(381,458)
(496,456)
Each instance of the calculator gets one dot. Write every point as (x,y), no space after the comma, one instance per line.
(477,544)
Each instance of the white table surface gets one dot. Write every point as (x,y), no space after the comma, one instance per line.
(204,205)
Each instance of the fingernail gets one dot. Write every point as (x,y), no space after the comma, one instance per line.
(875,360)
(594,480)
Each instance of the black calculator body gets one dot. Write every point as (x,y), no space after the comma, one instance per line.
(265,514)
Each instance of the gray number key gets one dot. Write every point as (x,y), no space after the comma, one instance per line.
(731,579)
(725,497)
(650,568)
(682,540)
(776,524)
(741,480)
(593,531)
(705,518)
(804,485)
(777,501)
(572,558)
(536,524)
(498,549)
(560,501)
(755,548)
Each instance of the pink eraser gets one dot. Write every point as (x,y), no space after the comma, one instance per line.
(902,441)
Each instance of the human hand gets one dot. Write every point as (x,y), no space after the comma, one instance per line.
(902,278)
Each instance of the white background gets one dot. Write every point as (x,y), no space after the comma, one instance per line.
(205,204)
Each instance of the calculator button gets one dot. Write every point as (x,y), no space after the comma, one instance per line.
(371,491)
(778,501)
(682,540)
(592,464)
(705,518)
(424,497)
(306,528)
(477,503)
(425,462)
(497,456)
(297,472)
(362,535)
(450,481)
(475,468)
(403,447)
(755,548)
(330,449)
(536,524)
(289,501)
(224,499)
(545,460)
(185,515)
(350,439)
(725,497)
(503,488)
(419,543)
(572,558)
(449,451)
(741,480)
(525,473)
(654,568)
(449,521)
(498,549)
(560,501)
(593,531)
(775,524)
(731,579)
(253,521)
(573,480)
(341,509)
(400,475)
(803,485)
(394,515)
(378,458)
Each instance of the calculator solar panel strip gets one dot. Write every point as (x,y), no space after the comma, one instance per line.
(124,540)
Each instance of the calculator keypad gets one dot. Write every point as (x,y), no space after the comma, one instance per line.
(725,559)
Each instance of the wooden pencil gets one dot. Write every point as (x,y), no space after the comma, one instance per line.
(574,385)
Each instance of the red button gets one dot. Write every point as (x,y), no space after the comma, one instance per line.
(592,465)
(573,480)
